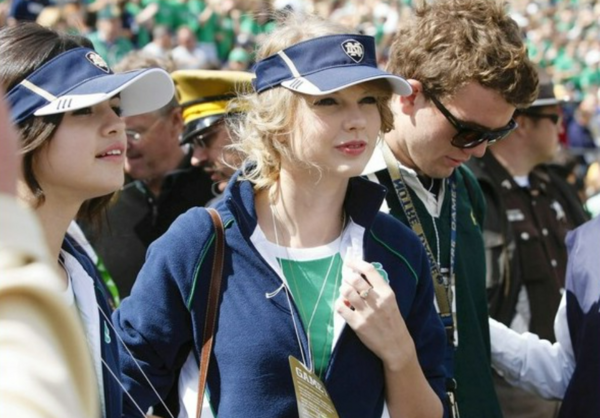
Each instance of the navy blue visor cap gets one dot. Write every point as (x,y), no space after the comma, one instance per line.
(325,65)
(80,78)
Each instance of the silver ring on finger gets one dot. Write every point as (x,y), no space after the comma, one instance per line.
(365,293)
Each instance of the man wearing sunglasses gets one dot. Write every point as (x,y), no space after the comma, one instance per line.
(530,209)
(464,60)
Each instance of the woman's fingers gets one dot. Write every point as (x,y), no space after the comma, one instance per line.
(366,271)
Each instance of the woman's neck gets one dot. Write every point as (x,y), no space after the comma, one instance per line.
(302,215)
(55,218)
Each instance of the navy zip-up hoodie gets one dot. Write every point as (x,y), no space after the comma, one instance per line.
(249,373)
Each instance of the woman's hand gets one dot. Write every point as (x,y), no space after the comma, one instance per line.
(368,304)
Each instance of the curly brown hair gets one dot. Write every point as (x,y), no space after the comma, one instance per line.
(449,43)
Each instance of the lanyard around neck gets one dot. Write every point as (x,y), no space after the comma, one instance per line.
(442,289)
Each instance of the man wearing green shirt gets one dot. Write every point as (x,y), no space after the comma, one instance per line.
(469,71)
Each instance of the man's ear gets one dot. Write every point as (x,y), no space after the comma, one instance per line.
(407,103)
(176,118)
(523,121)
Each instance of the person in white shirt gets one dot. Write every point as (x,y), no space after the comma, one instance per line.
(189,54)
(570,368)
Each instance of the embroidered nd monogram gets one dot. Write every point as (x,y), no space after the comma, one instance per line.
(354,50)
(97,61)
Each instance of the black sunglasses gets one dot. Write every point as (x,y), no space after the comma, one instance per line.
(554,117)
(469,136)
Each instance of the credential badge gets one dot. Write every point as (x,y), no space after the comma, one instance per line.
(354,50)
(97,61)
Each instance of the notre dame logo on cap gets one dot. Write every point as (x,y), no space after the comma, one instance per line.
(354,50)
(97,61)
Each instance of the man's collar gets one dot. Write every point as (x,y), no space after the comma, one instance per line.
(432,203)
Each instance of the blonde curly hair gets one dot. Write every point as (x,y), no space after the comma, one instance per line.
(272,117)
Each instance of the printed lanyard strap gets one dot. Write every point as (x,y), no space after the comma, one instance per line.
(442,289)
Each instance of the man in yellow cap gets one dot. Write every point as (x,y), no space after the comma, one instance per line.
(163,185)
(205,97)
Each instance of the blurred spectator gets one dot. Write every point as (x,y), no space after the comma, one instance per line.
(54,18)
(229,26)
(140,25)
(590,74)
(579,133)
(67,18)
(161,44)
(204,21)
(150,13)
(189,54)
(258,20)
(25,10)
(108,39)
(238,59)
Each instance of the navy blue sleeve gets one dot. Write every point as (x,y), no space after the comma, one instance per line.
(155,321)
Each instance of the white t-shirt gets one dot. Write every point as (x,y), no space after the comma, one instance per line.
(81,294)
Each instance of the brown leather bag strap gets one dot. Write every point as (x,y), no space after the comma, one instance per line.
(212,307)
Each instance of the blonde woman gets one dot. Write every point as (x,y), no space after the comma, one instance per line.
(319,288)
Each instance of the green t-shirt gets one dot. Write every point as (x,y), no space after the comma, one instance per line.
(169,13)
(315,285)
(206,32)
(225,37)
(189,15)
(589,78)
(142,35)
